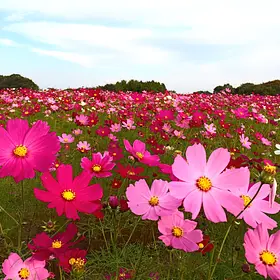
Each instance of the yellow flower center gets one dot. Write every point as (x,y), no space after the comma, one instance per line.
(122,275)
(20,151)
(96,168)
(200,245)
(270,169)
(65,140)
(204,184)
(154,201)
(130,173)
(177,232)
(68,195)
(56,244)
(247,200)
(77,264)
(139,155)
(268,258)
(24,273)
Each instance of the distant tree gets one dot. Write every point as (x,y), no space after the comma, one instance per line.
(225,86)
(17,81)
(135,86)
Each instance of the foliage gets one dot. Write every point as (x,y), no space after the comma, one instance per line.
(16,81)
(135,86)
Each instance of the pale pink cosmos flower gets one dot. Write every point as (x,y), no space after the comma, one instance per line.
(138,150)
(245,141)
(266,142)
(99,166)
(77,132)
(151,203)
(263,251)
(167,128)
(83,146)
(30,269)
(129,124)
(210,128)
(179,134)
(116,127)
(205,184)
(112,137)
(82,119)
(255,213)
(66,138)
(179,233)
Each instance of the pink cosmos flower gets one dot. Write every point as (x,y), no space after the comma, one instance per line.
(99,166)
(151,203)
(69,196)
(210,128)
(179,233)
(266,142)
(179,134)
(66,138)
(129,124)
(77,132)
(138,150)
(116,127)
(254,214)
(24,150)
(167,128)
(82,120)
(263,251)
(205,184)
(30,269)
(83,146)
(245,141)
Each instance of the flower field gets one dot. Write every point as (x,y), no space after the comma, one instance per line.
(105,185)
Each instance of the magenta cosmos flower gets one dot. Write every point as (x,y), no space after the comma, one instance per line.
(205,184)
(179,233)
(151,203)
(99,166)
(263,251)
(44,246)
(254,214)
(24,150)
(138,150)
(30,269)
(69,196)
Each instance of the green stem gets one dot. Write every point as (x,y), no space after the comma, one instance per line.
(60,273)
(228,230)
(103,233)
(7,213)
(130,235)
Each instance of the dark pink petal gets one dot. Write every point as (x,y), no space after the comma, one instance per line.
(93,192)
(17,129)
(81,181)
(38,130)
(43,195)
(71,211)
(51,184)
(64,176)
(6,146)
(139,146)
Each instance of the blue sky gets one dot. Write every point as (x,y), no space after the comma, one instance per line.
(187,44)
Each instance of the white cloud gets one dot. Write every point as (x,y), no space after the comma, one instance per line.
(75,31)
(8,42)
